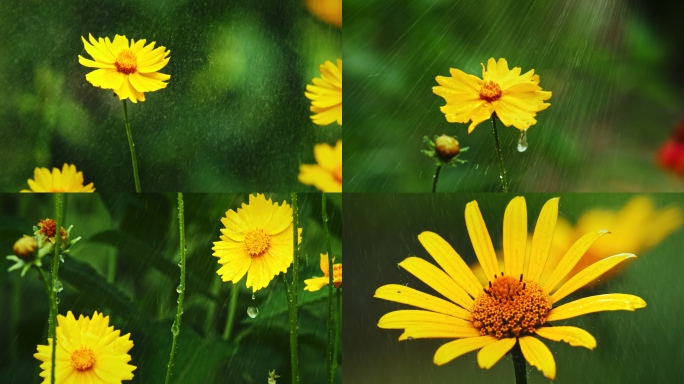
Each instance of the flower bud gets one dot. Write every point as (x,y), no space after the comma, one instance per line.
(447,147)
(25,248)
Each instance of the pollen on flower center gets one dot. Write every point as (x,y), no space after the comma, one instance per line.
(83,359)
(490,91)
(510,308)
(257,242)
(126,62)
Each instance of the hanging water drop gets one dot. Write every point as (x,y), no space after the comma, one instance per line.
(522,142)
(252,312)
(252,296)
(178,289)
(58,286)
(409,338)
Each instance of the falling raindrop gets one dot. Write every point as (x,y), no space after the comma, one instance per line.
(252,312)
(58,286)
(522,142)
(178,289)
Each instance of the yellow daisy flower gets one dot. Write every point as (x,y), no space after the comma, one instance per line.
(317,283)
(66,180)
(89,351)
(515,98)
(326,94)
(257,241)
(128,69)
(515,304)
(329,11)
(327,174)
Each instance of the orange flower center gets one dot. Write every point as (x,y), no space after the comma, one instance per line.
(257,242)
(126,62)
(83,359)
(48,227)
(490,91)
(510,308)
(337,174)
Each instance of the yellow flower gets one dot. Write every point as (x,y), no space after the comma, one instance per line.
(317,283)
(514,98)
(329,11)
(89,351)
(327,174)
(326,94)
(514,305)
(256,239)
(68,180)
(128,69)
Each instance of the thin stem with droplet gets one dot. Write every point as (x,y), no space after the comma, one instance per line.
(232,306)
(131,145)
(175,328)
(435,178)
(292,294)
(502,170)
(54,303)
(331,368)
(519,365)
(338,329)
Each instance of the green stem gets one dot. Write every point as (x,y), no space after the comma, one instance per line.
(331,374)
(519,365)
(339,327)
(132,147)
(292,294)
(502,170)
(175,328)
(59,207)
(435,178)
(232,305)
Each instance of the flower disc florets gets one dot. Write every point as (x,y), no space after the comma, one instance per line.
(257,242)
(511,307)
(490,91)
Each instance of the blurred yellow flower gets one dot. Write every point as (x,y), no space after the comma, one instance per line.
(329,11)
(257,241)
(513,306)
(89,351)
(327,174)
(515,98)
(326,94)
(128,69)
(66,180)
(317,283)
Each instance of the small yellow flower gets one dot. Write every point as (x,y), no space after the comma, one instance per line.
(66,180)
(89,351)
(327,174)
(25,247)
(257,241)
(329,11)
(326,94)
(317,283)
(515,98)
(514,305)
(128,69)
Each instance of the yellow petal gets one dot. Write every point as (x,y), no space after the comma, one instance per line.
(538,355)
(456,348)
(598,303)
(542,238)
(93,64)
(405,295)
(571,258)
(577,337)
(316,283)
(515,236)
(154,67)
(588,274)
(436,279)
(482,243)
(452,263)
(426,324)
(492,353)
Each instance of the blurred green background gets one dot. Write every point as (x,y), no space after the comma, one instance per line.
(632,347)
(126,267)
(233,117)
(614,68)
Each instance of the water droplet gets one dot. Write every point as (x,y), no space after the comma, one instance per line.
(57,299)
(252,296)
(179,263)
(178,289)
(58,286)
(252,312)
(522,142)
(409,338)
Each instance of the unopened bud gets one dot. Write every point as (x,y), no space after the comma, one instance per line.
(447,147)
(25,247)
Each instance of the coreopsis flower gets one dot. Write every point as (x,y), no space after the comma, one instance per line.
(66,180)
(317,283)
(671,154)
(130,69)
(515,305)
(89,351)
(327,174)
(326,94)
(329,11)
(257,241)
(515,98)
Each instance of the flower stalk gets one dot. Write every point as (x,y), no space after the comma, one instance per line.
(338,329)
(519,365)
(292,294)
(435,178)
(175,328)
(331,368)
(131,145)
(502,170)
(54,302)
(232,306)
